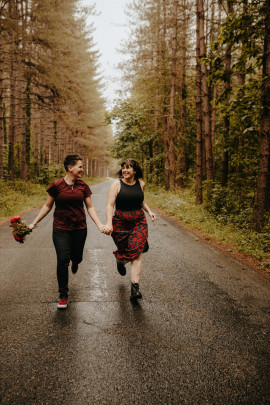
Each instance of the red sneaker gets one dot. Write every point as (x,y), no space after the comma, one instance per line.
(63,303)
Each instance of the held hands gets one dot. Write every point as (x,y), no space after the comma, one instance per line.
(106,229)
(31,226)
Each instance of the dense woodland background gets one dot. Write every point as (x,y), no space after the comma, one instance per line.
(193,109)
(50,91)
(196,108)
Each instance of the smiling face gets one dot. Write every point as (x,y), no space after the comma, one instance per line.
(76,170)
(128,172)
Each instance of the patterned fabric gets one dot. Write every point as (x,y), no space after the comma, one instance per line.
(130,232)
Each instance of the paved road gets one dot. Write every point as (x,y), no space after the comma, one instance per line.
(199,336)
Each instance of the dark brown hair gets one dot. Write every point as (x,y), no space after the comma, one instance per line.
(136,167)
(71,160)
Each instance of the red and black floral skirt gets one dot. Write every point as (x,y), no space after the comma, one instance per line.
(130,232)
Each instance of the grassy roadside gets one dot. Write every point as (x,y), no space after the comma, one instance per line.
(21,196)
(181,205)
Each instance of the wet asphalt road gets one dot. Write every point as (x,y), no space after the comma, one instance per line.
(199,336)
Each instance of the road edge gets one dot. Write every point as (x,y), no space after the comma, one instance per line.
(229,249)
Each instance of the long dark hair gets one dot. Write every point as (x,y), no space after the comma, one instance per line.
(136,167)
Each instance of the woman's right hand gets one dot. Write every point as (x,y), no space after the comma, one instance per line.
(103,229)
(108,229)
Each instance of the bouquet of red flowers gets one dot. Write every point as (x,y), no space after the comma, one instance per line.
(20,229)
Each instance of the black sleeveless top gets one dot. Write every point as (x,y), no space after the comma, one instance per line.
(129,198)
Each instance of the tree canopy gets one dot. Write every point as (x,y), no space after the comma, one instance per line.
(197,101)
(50,93)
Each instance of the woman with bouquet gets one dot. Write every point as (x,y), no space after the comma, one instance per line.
(69,225)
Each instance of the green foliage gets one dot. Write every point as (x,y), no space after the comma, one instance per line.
(228,205)
(239,99)
(19,196)
(214,220)
(48,173)
(134,138)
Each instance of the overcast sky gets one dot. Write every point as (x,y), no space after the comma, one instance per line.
(110,31)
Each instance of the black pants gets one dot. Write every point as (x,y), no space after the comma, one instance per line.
(69,246)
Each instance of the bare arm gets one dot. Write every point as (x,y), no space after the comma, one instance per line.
(43,212)
(113,191)
(93,213)
(146,206)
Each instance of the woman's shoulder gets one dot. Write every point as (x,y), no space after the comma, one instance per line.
(116,182)
(84,186)
(116,185)
(142,184)
(55,187)
(57,182)
(82,182)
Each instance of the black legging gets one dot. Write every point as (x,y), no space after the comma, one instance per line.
(69,245)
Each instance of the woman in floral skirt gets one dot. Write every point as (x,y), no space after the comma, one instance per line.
(128,224)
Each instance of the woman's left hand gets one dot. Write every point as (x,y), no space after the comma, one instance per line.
(108,229)
(102,228)
(152,216)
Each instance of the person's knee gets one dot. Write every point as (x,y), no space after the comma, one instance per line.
(63,260)
(138,259)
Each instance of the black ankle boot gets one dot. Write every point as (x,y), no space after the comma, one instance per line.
(121,269)
(74,267)
(135,293)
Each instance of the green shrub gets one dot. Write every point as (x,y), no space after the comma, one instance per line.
(225,221)
(50,173)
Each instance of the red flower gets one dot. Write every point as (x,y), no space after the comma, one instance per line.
(18,238)
(15,219)
(20,229)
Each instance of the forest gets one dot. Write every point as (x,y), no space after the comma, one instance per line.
(193,107)
(50,90)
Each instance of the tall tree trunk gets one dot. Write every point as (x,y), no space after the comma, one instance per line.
(164,96)
(12,95)
(42,150)
(156,171)
(26,102)
(22,116)
(215,92)
(2,138)
(226,120)
(55,150)
(36,153)
(242,79)
(26,133)
(206,98)
(240,146)
(47,138)
(183,103)
(199,166)
(171,121)
(263,183)
(62,132)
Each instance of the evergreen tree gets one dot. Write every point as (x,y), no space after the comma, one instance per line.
(53,95)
